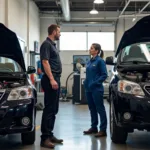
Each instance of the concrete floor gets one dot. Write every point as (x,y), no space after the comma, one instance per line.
(70,123)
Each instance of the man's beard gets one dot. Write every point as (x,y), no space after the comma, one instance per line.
(56,38)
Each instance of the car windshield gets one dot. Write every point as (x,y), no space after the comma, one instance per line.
(137,53)
(9,65)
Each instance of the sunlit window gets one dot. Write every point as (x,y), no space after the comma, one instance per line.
(105,39)
(83,40)
(73,41)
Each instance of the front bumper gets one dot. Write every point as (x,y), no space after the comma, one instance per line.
(138,107)
(11,114)
(133,125)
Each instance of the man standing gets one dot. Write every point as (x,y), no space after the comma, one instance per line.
(52,69)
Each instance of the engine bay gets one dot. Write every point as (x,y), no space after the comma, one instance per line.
(6,83)
(136,76)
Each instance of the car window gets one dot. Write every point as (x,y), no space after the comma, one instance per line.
(9,65)
(136,52)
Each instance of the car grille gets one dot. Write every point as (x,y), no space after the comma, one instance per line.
(2,92)
(1,95)
(147,89)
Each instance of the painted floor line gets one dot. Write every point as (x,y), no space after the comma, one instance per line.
(38,127)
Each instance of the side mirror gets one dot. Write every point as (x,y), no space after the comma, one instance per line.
(31,70)
(110,60)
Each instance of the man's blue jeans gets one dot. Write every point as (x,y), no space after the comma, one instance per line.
(96,106)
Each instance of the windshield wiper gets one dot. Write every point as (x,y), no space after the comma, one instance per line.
(135,62)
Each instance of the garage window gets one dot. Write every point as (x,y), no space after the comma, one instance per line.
(105,39)
(82,41)
(73,41)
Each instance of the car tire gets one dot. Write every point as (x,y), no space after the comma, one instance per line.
(28,138)
(118,134)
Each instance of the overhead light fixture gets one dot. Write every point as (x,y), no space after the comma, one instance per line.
(94,11)
(98,1)
(133,19)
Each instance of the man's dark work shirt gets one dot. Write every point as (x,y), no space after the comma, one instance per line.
(48,51)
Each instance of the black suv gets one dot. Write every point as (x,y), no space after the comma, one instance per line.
(17,95)
(129,89)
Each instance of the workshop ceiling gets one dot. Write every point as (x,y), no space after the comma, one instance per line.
(87,5)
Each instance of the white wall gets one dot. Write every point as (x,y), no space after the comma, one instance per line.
(23,20)
(44,24)
(17,17)
(2,11)
(34,33)
(84,16)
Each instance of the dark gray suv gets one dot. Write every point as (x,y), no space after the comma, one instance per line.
(17,95)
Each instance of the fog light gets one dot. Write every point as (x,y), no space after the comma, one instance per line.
(25,121)
(127,116)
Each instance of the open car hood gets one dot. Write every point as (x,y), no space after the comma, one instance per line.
(10,47)
(140,32)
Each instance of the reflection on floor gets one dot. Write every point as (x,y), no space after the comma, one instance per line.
(70,123)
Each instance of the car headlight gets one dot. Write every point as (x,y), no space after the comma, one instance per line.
(20,93)
(130,88)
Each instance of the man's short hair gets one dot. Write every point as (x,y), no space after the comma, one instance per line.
(52,28)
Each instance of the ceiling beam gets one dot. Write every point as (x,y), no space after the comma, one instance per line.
(144,7)
(139,0)
(125,7)
(127,4)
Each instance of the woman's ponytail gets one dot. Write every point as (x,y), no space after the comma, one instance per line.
(101,53)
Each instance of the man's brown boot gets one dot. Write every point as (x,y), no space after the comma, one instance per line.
(47,144)
(55,140)
(101,134)
(90,131)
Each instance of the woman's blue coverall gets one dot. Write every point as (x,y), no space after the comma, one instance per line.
(96,74)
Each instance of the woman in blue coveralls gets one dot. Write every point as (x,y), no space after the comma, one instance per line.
(96,74)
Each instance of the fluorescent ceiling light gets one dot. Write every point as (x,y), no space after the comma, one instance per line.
(98,1)
(93,12)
